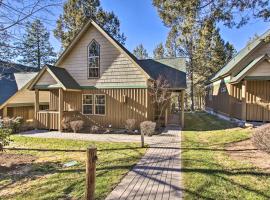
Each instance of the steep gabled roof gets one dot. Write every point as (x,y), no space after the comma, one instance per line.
(62,77)
(173,70)
(240,56)
(248,68)
(106,35)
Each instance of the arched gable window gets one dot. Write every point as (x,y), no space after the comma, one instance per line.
(93,60)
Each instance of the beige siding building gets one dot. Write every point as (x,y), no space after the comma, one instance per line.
(241,89)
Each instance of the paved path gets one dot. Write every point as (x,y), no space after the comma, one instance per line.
(88,137)
(157,175)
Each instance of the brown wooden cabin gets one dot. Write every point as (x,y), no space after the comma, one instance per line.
(99,80)
(241,89)
(15,98)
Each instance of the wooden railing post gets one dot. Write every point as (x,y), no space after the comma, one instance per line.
(90,172)
(60,109)
(36,108)
(244,101)
(142,139)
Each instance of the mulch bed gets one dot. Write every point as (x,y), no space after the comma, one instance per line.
(10,162)
(246,152)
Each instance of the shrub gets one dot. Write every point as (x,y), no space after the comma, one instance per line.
(4,137)
(66,123)
(148,128)
(15,124)
(261,138)
(94,129)
(130,124)
(76,125)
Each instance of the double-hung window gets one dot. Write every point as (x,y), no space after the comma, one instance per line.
(94,104)
(100,104)
(87,106)
(93,60)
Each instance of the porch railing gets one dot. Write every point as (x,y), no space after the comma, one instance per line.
(47,120)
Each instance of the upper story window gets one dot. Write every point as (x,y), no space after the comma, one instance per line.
(93,60)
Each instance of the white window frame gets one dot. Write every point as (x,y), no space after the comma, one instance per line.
(94,104)
(93,57)
(88,104)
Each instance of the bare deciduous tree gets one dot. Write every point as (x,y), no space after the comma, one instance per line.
(161,95)
(17,12)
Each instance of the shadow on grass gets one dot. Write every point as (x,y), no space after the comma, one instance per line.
(202,121)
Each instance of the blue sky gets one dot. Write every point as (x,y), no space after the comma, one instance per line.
(141,24)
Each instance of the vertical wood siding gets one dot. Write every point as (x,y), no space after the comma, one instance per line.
(53,104)
(220,98)
(26,112)
(138,106)
(258,96)
(236,101)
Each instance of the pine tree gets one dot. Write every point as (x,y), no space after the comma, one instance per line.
(140,52)
(35,48)
(159,51)
(194,38)
(171,43)
(77,13)
(6,50)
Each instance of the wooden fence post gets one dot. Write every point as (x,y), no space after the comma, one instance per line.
(142,138)
(166,117)
(90,172)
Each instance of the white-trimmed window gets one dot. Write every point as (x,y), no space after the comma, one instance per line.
(87,104)
(100,104)
(93,60)
(94,104)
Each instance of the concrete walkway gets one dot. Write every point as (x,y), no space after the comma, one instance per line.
(157,175)
(90,137)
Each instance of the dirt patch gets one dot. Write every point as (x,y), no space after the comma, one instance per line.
(246,152)
(10,162)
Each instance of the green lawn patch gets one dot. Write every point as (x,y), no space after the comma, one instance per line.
(209,172)
(46,178)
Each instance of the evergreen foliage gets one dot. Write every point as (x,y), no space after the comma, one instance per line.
(140,52)
(196,39)
(159,51)
(35,49)
(77,13)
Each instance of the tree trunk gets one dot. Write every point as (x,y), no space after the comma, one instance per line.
(191,86)
(39,56)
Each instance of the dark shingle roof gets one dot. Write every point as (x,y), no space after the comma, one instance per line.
(9,85)
(172,69)
(64,77)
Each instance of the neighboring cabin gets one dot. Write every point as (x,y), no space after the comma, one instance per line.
(241,89)
(99,80)
(15,98)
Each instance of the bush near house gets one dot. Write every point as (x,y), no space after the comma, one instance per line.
(148,128)
(130,124)
(76,125)
(261,138)
(15,123)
